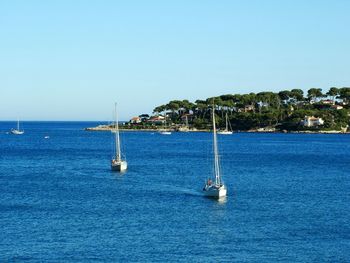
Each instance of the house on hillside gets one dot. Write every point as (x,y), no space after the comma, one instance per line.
(156,120)
(290,101)
(135,120)
(262,104)
(337,107)
(248,108)
(311,121)
(327,101)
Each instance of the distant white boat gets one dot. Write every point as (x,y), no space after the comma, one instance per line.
(217,188)
(47,137)
(117,163)
(164,131)
(17,131)
(226,131)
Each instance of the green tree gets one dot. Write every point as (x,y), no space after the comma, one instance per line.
(344,93)
(314,93)
(173,106)
(201,108)
(333,92)
(271,98)
(285,94)
(297,94)
(159,109)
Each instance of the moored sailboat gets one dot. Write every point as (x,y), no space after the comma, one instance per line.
(226,131)
(117,163)
(216,188)
(17,131)
(164,131)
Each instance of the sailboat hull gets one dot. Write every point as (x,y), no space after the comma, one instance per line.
(225,132)
(17,132)
(215,191)
(119,166)
(165,133)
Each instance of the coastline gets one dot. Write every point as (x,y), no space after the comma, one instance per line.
(108,128)
(104,128)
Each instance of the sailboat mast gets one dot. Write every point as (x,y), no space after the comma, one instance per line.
(164,119)
(117,139)
(17,124)
(216,154)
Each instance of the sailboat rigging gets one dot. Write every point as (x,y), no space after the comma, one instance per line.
(164,131)
(226,131)
(217,188)
(117,164)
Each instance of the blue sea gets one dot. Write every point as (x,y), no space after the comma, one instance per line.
(288,197)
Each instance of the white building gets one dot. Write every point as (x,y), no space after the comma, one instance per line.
(135,120)
(337,107)
(157,120)
(312,121)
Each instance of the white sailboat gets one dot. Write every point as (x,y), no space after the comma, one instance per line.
(164,131)
(217,188)
(117,163)
(226,131)
(17,131)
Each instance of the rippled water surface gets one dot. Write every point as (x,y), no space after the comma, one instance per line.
(288,199)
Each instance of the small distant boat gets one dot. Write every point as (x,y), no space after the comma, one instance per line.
(226,131)
(164,131)
(117,163)
(217,188)
(47,137)
(17,131)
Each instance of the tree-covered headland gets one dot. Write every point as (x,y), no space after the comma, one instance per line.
(284,110)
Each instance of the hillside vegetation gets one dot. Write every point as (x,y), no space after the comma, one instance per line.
(283,110)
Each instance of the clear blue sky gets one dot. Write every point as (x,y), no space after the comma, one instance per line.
(70,60)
